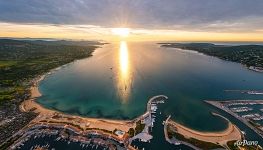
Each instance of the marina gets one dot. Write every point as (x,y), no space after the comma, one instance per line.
(241,109)
(247,118)
(131,75)
(252,92)
(149,119)
(77,130)
(119,97)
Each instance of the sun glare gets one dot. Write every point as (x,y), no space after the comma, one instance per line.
(123,32)
(124,80)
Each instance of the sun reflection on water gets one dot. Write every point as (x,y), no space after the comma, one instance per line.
(124,80)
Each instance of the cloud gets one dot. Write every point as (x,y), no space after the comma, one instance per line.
(197,15)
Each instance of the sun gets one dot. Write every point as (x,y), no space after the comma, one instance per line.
(123,32)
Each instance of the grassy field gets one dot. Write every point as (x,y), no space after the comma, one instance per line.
(7,63)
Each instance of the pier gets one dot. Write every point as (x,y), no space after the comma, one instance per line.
(84,130)
(148,119)
(223,105)
(251,92)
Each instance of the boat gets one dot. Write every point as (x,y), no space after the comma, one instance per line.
(243,132)
(177,143)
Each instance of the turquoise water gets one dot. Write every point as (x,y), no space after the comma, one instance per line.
(117,81)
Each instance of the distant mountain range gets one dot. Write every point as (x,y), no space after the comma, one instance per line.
(51,41)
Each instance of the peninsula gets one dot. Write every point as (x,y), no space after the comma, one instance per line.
(179,134)
(249,55)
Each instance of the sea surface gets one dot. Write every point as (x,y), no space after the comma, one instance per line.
(118,80)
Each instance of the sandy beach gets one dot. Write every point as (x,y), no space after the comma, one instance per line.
(52,116)
(232,132)
(47,114)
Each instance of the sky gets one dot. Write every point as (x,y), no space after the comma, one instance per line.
(170,20)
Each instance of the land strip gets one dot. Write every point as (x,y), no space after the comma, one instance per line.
(223,105)
(180,134)
(250,56)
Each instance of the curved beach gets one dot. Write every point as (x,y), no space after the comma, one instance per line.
(45,113)
(222,137)
(231,133)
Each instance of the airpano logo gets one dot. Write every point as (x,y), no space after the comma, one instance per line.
(246,143)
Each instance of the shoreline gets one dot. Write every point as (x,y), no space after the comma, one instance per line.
(250,68)
(59,121)
(232,132)
(255,69)
(46,115)
(31,103)
(101,123)
(82,125)
(219,105)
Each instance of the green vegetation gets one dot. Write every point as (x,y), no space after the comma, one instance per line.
(7,63)
(232,146)
(171,131)
(249,55)
(131,132)
(139,127)
(20,62)
(114,131)
(198,143)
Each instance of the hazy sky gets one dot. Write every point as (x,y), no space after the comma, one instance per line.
(169,18)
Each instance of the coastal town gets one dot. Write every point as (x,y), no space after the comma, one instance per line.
(93,132)
(115,134)
(22,62)
(120,134)
(110,134)
(24,121)
(131,75)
